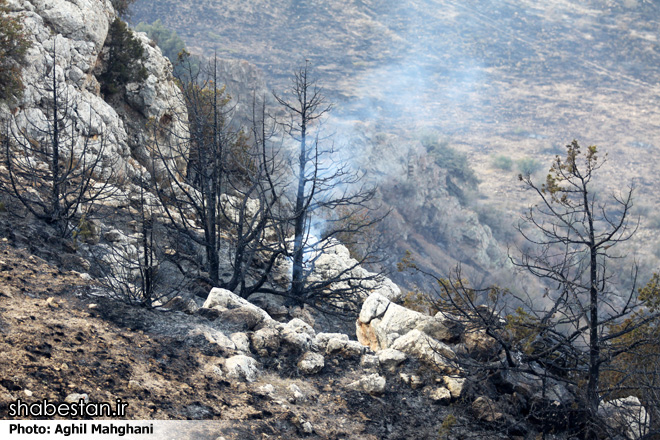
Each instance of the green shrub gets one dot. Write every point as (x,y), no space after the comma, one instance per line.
(125,61)
(528,166)
(173,47)
(169,42)
(455,162)
(503,162)
(13,46)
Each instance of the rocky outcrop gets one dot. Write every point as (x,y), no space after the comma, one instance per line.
(381,322)
(223,300)
(626,416)
(69,37)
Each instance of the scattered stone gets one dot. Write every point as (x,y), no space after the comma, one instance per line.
(345,348)
(455,385)
(479,345)
(321,339)
(75,398)
(434,353)
(265,341)
(372,384)
(485,409)
(416,381)
(296,393)
(50,302)
(440,395)
(267,389)
(370,362)
(297,334)
(311,363)
(27,393)
(390,358)
(307,427)
(92,306)
(242,367)
(229,300)
(241,341)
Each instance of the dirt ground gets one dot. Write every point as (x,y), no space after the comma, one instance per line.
(57,338)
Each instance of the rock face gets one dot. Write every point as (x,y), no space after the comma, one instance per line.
(626,416)
(335,262)
(381,322)
(70,35)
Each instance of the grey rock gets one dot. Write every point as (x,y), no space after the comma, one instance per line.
(265,341)
(311,363)
(484,408)
(440,395)
(297,334)
(344,348)
(242,367)
(391,358)
(241,340)
(372,384)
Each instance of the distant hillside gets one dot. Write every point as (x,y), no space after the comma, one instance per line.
(513,78)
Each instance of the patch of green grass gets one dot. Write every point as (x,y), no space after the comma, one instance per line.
(502,162)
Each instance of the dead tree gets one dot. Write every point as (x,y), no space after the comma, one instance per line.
(131,265)
(580,328)
(220,188)
(53,169)
(326,194)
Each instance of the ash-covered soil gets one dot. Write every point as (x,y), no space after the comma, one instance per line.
(58,338)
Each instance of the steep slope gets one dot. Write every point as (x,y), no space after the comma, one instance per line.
(512,78)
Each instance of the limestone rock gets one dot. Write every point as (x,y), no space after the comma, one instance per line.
(479,345)
(297,334)
(434,353)
(211,336)
(311,363)
(241,341)
(391,358)
(244,318)
(321,339)
(455,385)
(242,367)
(296,394)
(370,362)
(69,36)
(265,341)
(485,409)
(228,300)
(381,321)
(372,384)
(344,348)
(440,395)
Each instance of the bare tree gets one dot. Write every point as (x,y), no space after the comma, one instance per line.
(579,331)
(54,170)
(327,193)
(220,188)
(130,265)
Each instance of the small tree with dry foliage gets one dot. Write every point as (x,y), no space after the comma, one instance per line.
(583,332)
